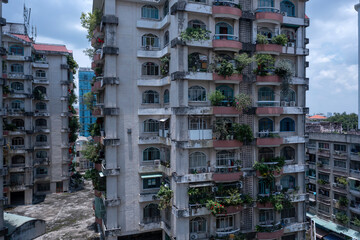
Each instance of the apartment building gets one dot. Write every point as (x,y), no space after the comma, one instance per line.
(333,180)
(85,116)
(37,95)
(157,71)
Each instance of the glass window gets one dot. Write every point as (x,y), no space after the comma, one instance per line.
(18,141)
(266,97)
(287,125)
(197,161)
(150,41)
(40,122)
(41,171)
(266,125)
(324,145)
(150,96)
(266,154)
(40,89)
(17,105)
(288,212)
(166,96)
(198,225)
(225,223)
(228,92)
(151,213)
(166,38)
(150,12)
(266,217)
(197,94)
(288,8)
(16,50)
(324,177)
(196,24)
(288,182)
(151,126)
(290,97)
(17,68)
(18,159)
(265,187)
(151,153)
(17,86)
(197,124)
(19,123)
(40,106)
(40,74)
(224,31)
(266,3)
(41,138)
(340,147)
(225,158)
(150,69)
(41,154)
(288,153)
(340,164)
(150,183)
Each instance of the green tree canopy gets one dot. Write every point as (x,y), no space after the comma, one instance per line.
(348,121)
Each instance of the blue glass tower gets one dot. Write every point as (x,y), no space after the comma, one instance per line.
(85,77)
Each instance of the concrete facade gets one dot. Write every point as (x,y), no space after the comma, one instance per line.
(36,112)
(334,156)
(85,116)
(171,138)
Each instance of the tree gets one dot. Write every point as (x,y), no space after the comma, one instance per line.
(348,121)
(89,100)
(89,21)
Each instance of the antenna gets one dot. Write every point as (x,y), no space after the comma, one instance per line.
(27,14)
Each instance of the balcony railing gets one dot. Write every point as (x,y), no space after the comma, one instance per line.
(268,103)
(267,9)
(225,37)
(147,220)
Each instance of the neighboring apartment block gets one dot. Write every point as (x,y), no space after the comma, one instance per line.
(157,71)
(333,180)
(37,88)
(85,116)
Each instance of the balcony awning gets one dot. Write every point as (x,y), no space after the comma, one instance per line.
(152,176)
(352,178)
(163,119)
(209,184)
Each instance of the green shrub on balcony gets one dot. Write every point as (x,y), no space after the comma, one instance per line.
(322,182)
(90,21)
(242,101)
(356,222)
(6,89)
(284,70)
(342,180)
(225,68)
(199,195)
(38,95)
(91,152)
(216,98)
(261,39)
(243,132)
(265,64)
(215,207)
(342,218)
(343,201)
(195,34)
(165,194)
(242,60)
(9,126)
(267,170)
(94,129)
(165,65)
(247,199)
(280,39)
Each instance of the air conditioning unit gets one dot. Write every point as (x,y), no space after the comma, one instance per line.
(147,47)
(193,236)
(292,103)
(214,189)
(157,162)
(279,188)
(287,221)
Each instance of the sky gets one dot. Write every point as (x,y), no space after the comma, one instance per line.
(332,33)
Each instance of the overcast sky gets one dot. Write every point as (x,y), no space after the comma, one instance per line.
(332,33)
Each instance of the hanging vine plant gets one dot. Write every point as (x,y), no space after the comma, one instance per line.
(284,71)
(165,194)
(165,65)
(242,101)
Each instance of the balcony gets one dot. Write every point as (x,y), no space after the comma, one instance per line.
(154,111)
(269,15)
(196,7)
(269,139)
(268,80)
(153,52)
(153,24)
(148,197)
(355,208)
(12,57)
(198,177)
(295,51)
(294,168)
(155,82)
(226,42)
(16,76)
(225,111)
(355,156)
(295,227)
(227,144)
(198,210)
(41,161)
(200,44)
(202,76)
(96,87)
(340,155)
(234,78)
(355,173)
(324,152)
(269,232)
(294,21)
(153,223)
(205,134)
(227,173)
(154,140)
(273,49)
(226,9)
(269,110)
(155,167)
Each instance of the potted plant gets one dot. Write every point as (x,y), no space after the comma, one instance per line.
(280,39)
(261,39)
(164,195)
(242,61)
(265,64)
(195,34)
(342,218)
(216,98)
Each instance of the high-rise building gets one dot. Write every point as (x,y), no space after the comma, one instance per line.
(333,181)
(85,116)
(179,108)
(37,112)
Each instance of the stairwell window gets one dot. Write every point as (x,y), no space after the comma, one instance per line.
(198,225)
(151,126)
(16,50)
(17,68)
(150,12)
(40,74)
(150,69)
(151,154)
(197,94)
(17,141)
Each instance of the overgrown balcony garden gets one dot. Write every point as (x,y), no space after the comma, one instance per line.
(273,45)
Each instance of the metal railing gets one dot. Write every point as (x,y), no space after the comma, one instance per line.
(268,103)
(267,9)
(225,37)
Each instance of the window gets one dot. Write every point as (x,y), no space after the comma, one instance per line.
(288,153)
(41,171)
(266,154)
(166,96)
(225,158)
(228,92)
(151,126)
(197,62)
(166,8)
(266,32)
(19,123)
(150,69)
(324,177)
(288,182)
(324,161)
(290,97)
(17,86)
(312,173)
(41,138)
(150,41)
(166,38)
(18,141)
(266,97)
(324,146)
(18,159)
(43,187)
(340,147)
(150,183)
(225,223)
(266,125)
(288,212)
(265,187)
(198,225)
(151,213)
(40,89)
(266,3)
(266,217)
(196,24)
(41,154)
(355,148)
(17,105)
(340,164)
(287,125)
(197,124)
(151,153)
(17,50)
(197,94)
(197,161)
(40,122)
(40,74)
(324,192)
(17,68)
(40,106)
(288,8)
(150,96)
(150,12)
(224,31)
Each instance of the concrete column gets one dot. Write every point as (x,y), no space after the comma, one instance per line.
(357,6)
